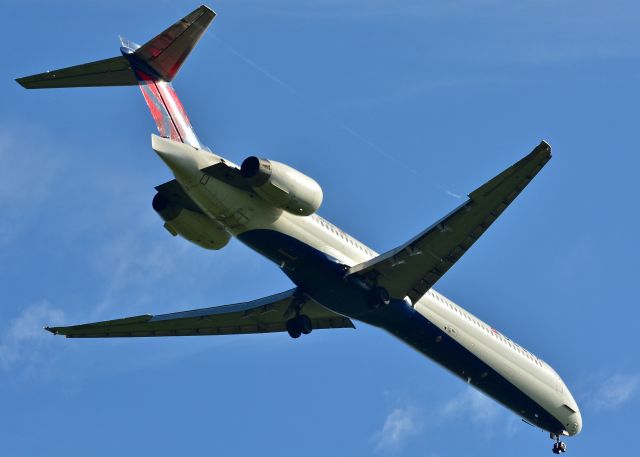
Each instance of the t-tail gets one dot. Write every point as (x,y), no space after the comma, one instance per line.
(152,66)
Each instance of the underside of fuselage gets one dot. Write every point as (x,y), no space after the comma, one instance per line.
(322,278)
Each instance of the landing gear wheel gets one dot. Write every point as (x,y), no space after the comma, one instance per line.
(559,447)
(304,323)
(293,328)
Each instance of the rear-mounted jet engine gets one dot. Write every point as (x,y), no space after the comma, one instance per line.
(282,186)
(190,225)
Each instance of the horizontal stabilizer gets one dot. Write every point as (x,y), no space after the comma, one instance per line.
(160,59)
(108,72)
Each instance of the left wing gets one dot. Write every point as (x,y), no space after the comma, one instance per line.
(413,268)
(267,314)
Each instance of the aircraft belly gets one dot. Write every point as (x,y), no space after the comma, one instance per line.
(321,277)
(409,325)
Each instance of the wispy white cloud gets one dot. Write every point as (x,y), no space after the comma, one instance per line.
(128,261)
(139,262)
(469,407)
(16,170)
(22,342)
(473,407)
(399,426)
(26,173)
(472,404)
(614,391)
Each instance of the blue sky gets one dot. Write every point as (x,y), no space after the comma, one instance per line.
(397,108)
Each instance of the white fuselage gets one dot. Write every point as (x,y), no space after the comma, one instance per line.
(238,211)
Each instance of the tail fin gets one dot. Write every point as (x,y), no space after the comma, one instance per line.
(152,65)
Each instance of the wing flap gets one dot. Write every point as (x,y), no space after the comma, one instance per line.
(258,316)
(413,268)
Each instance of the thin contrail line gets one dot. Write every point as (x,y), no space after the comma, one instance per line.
(381,151)
(251,63)
(341,125)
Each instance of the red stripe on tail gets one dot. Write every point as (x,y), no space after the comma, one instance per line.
(167,110)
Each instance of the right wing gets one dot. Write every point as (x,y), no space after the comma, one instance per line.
(411,269)
(265,315)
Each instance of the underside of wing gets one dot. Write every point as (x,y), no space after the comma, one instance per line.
(413,268)
(269,314)
(108,72)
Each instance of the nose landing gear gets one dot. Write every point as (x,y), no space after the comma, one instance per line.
(559,446)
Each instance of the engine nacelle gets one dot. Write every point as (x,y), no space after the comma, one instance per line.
(190,225)
(282,186)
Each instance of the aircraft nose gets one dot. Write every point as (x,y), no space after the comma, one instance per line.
(572,419)
(575,424)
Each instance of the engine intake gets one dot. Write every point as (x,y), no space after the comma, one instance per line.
(282,186)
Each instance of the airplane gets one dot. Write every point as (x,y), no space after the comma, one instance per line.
(272,208)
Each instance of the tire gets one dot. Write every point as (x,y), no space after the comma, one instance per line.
(304,323)
(293,328)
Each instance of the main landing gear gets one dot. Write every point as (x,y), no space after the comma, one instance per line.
(558,447)
(299,325)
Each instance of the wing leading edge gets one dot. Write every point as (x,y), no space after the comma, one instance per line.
(264,315)
(414,267)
